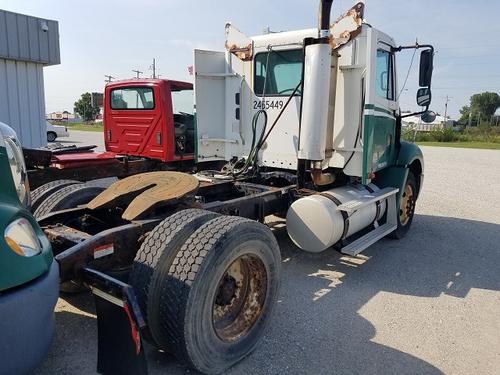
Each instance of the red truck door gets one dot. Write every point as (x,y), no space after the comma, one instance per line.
(135,119)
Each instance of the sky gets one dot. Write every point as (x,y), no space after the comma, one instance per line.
(115,36)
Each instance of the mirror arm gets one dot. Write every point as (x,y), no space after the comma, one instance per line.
(415,113)
(415,46)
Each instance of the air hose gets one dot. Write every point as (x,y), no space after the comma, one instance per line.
(251,160)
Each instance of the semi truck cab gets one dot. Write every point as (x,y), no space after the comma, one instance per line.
(150,118)
(344,115)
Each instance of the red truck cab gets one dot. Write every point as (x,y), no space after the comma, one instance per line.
(150,118)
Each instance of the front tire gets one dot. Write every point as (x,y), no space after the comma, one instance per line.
(51,136)
(220,292)
(406,207)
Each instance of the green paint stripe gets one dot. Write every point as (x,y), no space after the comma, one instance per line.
(378,109)
(376,116)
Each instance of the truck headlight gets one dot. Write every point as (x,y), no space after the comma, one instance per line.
(18,168)
(22,239)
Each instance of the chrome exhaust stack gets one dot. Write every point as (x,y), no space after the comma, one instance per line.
(316,96)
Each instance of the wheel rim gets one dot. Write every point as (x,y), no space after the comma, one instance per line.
(406,205)
(240,298)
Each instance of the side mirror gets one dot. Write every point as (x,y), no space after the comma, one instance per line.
(428,117)
(426,66)
(424,97)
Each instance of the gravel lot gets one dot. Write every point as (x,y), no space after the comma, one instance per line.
(427,304)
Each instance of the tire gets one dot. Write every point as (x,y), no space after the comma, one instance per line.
(68,197)
(51,136)
(42,192)
(152,263)
(407,207)
(227,262)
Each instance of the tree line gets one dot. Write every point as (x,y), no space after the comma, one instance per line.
(482,108)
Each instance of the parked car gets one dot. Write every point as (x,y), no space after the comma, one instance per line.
(56,131)
(29,276)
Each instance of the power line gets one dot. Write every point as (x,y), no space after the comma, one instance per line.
(108,78)
(137,72)
(473,47)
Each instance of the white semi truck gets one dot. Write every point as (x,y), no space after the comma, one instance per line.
(305,125)
(323,105)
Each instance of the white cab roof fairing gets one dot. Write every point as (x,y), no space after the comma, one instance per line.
(384,36)
(284,37)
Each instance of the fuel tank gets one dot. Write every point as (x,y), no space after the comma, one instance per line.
(314,223)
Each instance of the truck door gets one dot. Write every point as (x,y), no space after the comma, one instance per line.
(217,124)
(277,75)
(135,121)
(381,106)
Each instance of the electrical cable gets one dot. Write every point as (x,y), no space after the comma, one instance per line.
(408,73)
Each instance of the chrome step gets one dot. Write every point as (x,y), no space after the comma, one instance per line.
(367,199)
(355,247)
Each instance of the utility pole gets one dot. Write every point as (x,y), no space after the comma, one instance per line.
(137,73)
(108,78)
(153,68)
(446,109)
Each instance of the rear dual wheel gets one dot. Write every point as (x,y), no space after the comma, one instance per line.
(210,293)
(67,197)
(42,192)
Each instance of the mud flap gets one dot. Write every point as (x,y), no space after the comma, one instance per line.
(119,324)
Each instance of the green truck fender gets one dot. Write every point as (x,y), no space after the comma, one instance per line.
(409,158)
(16,270)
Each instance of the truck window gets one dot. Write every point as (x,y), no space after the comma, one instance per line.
(132,98)
(384,75)
(284,70)
(182,102)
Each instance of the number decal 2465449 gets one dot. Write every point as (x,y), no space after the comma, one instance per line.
(268,104)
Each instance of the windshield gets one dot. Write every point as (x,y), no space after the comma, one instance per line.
(283,73)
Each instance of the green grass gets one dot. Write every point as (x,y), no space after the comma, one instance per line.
(482,145)
(83,126)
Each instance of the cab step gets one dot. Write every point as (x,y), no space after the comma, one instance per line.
(356,247)
(365,200)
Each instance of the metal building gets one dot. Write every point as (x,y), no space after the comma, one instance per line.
(27,44)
